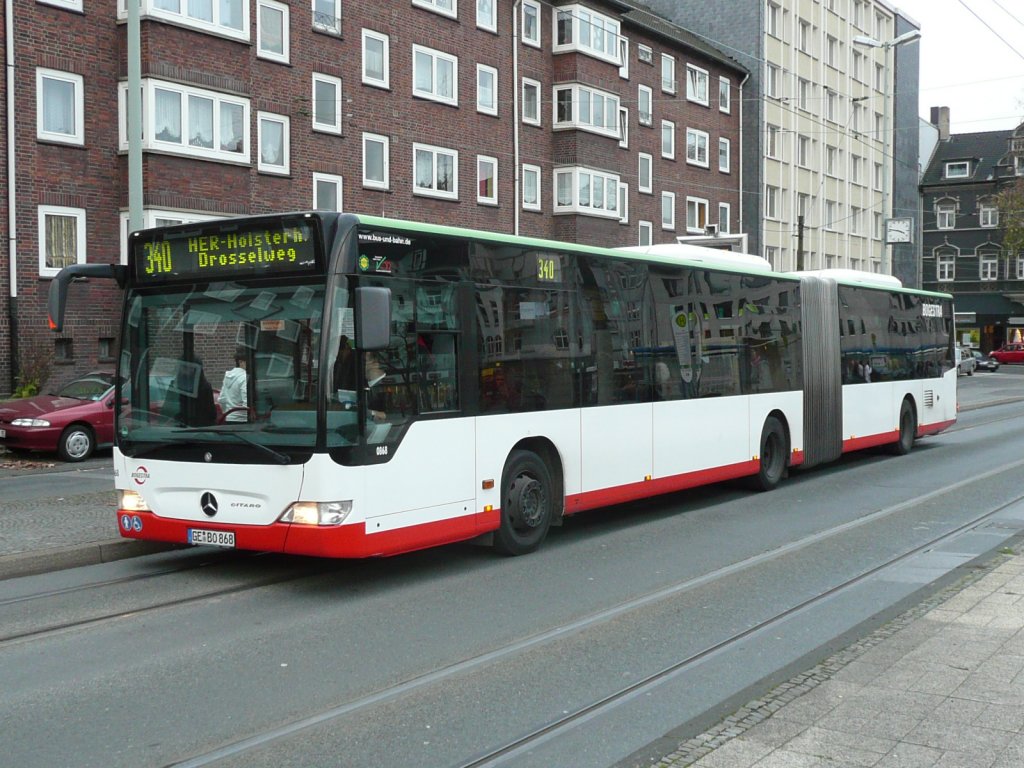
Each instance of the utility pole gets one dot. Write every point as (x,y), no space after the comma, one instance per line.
(799,242)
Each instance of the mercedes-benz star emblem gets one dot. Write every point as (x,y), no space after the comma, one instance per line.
(208,502)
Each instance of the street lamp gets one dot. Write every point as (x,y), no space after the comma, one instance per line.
(871,42)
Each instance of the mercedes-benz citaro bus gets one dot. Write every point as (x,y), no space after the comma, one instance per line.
(398,385)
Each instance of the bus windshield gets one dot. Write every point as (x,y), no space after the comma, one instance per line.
(226,363)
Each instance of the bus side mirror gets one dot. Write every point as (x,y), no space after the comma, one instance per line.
(373,317)
(57,299)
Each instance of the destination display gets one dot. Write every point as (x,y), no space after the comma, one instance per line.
(260,248)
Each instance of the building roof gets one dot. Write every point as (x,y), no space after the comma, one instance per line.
(984,150)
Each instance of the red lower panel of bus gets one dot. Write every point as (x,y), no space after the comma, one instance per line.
(885,438)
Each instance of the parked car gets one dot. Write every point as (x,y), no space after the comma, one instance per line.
(1009,353)
(984,362)
(74,422)
(965,361)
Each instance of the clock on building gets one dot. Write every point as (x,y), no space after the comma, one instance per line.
(898,230)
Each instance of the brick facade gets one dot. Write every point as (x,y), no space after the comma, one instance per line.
(92,175)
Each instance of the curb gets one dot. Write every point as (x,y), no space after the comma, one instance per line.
(47,560)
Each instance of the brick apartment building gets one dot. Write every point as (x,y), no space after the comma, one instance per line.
(623,128)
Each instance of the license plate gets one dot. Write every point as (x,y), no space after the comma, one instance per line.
(216,538)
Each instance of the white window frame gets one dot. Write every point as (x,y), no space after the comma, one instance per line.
(988,267)
(668,129)
(78,214)
(77,135)
(261,52)
(945,215)
(492,108)
(724,218)
(1020,266)
(945,267)
(320,19)
(335,127)
(833,161)
(772,197)
(771,80)
(724,95)
(724,149)
(433,191)
(280,169)
(586,122)
(772,12)
(958,169)
(385,41)
(149,8)
(624,57)
(645,118)
(643,158)
(435,56)
(623,203)
(586,24)
(435,6)
(609,206)
(696,205)
(385,142)
(70,5)
(534,85)
(482,21)
(645,227)
(772,141)
(670,222)
(695,139)
(804,150)
(480,198)
(698,85)
(531,7)
(624,127)
(988,215)
(668,85)
(534,172)
(328,178)
(183,147)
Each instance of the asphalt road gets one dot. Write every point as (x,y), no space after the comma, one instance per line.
(630,624)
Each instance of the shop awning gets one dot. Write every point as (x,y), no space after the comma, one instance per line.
(989,304)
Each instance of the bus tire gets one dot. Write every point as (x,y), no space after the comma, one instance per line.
(76,443)
(774,454)
(908,430)
(527,504)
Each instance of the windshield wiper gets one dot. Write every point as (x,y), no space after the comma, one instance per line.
(280,458)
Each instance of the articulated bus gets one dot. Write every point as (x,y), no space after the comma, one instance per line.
(409,385)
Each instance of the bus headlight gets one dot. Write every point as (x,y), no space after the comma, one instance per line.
(317,512)
(131,501)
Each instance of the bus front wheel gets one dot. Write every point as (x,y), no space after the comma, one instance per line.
(908,430)
(527,504)
(773,456)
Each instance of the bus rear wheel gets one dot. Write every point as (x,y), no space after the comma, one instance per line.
(774,455)
(527,504)
(908,430)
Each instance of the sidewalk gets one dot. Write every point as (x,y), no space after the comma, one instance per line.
(941,685)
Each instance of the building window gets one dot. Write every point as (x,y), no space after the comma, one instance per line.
(225,18)
(697,147)
(588,109)
(958,170)
(623,203)
(326,103)
(988,267)
(856,169)
(63,351)
(988,215)
(771,81)
(697,85)
(623,127)
(587,192)
(327,190)
(771,202)
(376,59)
(106,347)
(771,19)
(443,7)
(724,218)
(832,51)
(645,100)
(771,253)
(724,151)
(435,75)
(435,171)
(804,36)
(60,108)
(832,107)
(645,54)
(724,95)
(71,5)
(804,148)
(578,28)
(878,177)
(696,214)
(1020,267)
(624,58)
(327,16)
(945,267)
(531,101)
(668,139)
(272,31)
(486,180)
(487,15)
(486,89)
(668,210)
(531,187)
(531,23)
(945,215)
(832,161)
(644,183)
(273,135)
(646,233)
(856,220)
(772,143)
(376,153)
(61,238)
(668,73)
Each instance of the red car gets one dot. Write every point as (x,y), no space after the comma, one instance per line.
(73,423)
(1009,353)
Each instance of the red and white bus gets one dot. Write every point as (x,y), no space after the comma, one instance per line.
(408,385)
